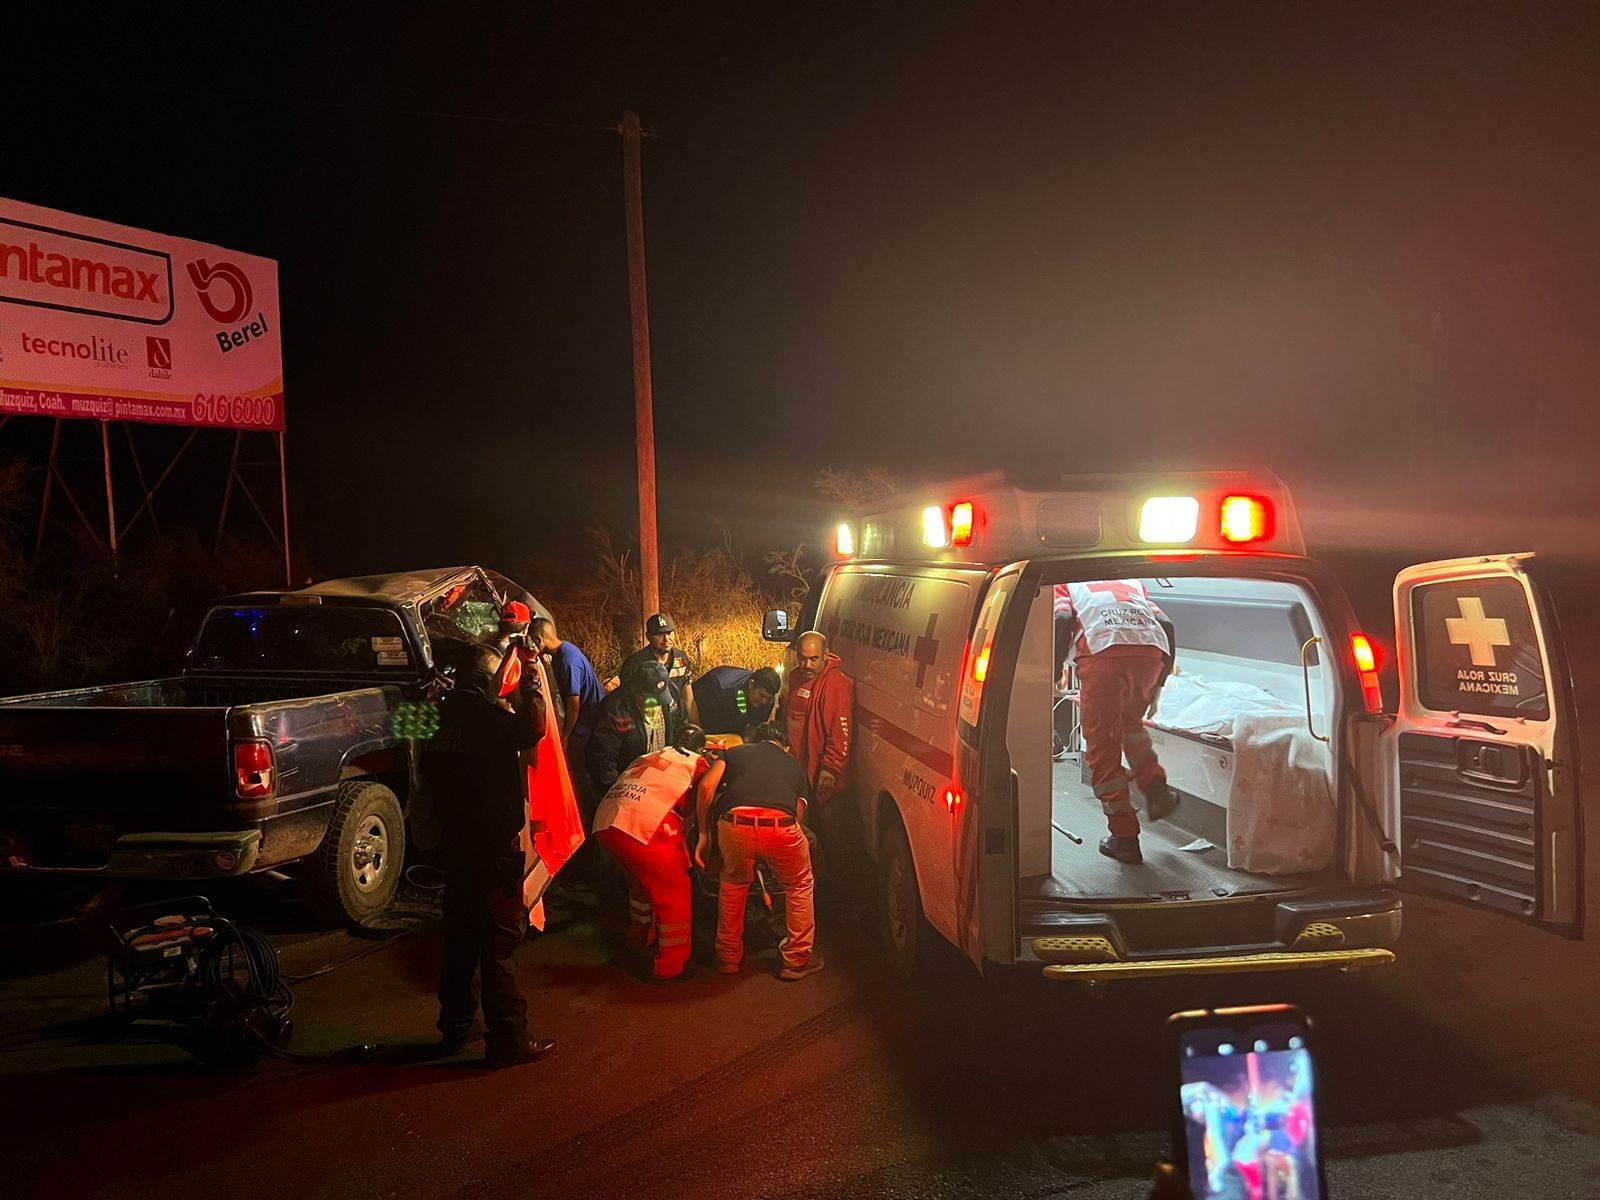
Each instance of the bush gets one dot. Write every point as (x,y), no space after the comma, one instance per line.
(715,603)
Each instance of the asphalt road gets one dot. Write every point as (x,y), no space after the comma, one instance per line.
(1468,1070)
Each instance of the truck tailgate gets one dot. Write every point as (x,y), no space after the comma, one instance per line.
(72,779)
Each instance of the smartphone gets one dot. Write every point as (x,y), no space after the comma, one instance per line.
(1245,1109)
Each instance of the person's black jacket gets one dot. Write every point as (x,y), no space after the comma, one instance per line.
(619,736)
(473,766)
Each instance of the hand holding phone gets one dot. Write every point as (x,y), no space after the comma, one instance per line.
(1244,1125)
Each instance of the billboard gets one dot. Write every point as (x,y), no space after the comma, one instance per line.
(105,322)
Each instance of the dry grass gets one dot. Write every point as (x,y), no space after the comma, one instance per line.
(712,598)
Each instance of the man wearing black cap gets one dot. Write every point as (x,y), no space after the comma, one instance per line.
(659,648)
(641,716)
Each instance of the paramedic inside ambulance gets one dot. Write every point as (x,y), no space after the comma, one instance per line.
(1121,648)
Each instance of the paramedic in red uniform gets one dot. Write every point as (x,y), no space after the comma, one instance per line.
(1121,653)
(641,821)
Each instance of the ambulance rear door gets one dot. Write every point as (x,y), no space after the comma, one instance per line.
(1481,763)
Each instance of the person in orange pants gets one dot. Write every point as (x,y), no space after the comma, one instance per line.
(1121,649)
(641,822)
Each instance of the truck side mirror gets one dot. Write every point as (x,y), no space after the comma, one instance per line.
(775,625)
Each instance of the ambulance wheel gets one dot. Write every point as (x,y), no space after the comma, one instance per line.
(355,872)
(905,930)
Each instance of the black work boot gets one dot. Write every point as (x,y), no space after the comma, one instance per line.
(1123,849)
(1160,801)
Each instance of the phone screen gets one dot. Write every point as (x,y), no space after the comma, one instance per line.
(1246,1096)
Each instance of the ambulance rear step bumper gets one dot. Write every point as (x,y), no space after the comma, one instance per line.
(1273,960)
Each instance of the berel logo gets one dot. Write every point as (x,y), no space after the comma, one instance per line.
(236,292)
(159,353)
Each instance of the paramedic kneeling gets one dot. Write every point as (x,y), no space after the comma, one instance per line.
(1121,653)
(754,798)
(640,821)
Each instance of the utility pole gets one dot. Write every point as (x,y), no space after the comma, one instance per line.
(643,403)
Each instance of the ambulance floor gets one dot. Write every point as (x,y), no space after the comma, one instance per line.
(1082,872)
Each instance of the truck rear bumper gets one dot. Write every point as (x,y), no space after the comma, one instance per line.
(164,856)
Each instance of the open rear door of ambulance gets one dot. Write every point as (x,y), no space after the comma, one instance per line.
(1483,756)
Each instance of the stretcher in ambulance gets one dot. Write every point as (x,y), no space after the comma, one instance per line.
(1305,809)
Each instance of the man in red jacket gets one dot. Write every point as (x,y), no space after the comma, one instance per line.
(819,714)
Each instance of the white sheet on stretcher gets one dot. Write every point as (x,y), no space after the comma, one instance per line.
(1195,704)
(1281,816)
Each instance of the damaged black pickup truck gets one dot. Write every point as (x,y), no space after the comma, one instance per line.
(274,746)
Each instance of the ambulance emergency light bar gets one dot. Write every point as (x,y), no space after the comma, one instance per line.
(995,521)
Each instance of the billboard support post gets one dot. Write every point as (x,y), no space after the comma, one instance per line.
(283,496)
(111,499)
(49,486)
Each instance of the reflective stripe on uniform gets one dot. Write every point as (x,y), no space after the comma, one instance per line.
(676,925)
(1106,789)
(674,941)
(1120,805)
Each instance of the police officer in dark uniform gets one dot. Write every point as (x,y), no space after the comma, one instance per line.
(473,769)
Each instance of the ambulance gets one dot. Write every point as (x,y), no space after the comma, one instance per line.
(1306,810)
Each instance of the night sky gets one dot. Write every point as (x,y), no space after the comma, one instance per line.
(1356,244)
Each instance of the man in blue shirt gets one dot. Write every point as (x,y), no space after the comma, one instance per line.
(575,681)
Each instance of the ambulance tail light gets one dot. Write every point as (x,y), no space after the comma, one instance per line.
(934,532)
(980,665)
(844,540)
(1366,660)
(1170,519)
(1245,519)
(953,800)
(961,523)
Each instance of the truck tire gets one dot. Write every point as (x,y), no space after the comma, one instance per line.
(904,929)
(356,870)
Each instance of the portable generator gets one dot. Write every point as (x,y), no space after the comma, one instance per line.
(213,982)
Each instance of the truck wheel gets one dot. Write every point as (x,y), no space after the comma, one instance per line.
(356,870)
(905,931)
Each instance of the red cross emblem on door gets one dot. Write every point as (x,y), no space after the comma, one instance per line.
(926,652)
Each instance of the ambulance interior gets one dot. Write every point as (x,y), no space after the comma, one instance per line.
(1235,732)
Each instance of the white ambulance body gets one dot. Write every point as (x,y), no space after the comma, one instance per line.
(1305,808)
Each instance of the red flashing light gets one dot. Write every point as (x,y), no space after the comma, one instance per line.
(980,668)
(961,523)
(953,800)
(1366,660)
(1245,519)
(254,776)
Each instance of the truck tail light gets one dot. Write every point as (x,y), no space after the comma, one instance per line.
(1245,519)
(1366,660)
(961,523)
(254,773)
